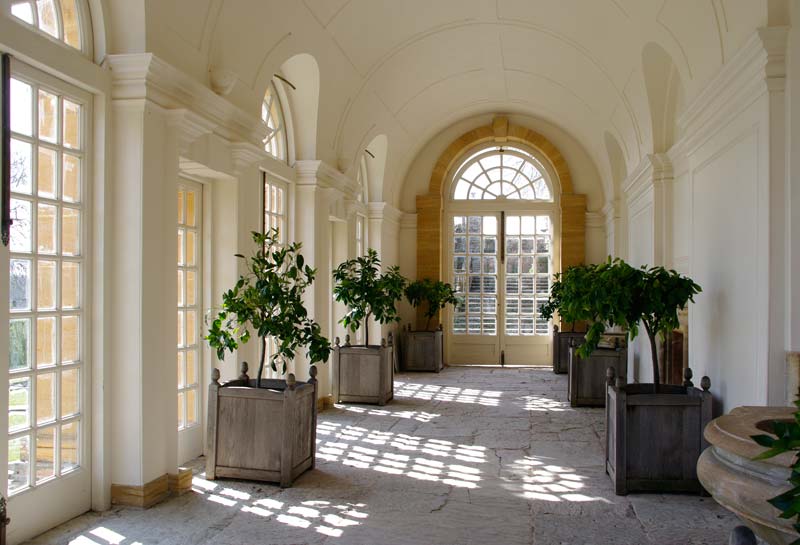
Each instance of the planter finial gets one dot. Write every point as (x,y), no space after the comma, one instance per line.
(347,340)
(313,372)
(610,375)
(390,338)
(705,384)
(336,342)
(620,382)
(687,377)
(441,327)
(215,376)
(383,342)
(243,371)
(291,381)
(555,328)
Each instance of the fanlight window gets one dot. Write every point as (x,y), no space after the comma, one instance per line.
(501,173)
(272,115)
(60,19)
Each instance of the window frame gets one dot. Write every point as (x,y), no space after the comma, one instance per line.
(476,157)
(272,97)
(85,27)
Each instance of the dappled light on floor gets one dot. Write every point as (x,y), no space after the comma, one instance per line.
(324,517)
(419,416)
(433,392)
(401,454)
(542,480)
(102,536)
(543,404)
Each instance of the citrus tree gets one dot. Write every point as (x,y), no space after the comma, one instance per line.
(434,294)
(267,301)
(367,293)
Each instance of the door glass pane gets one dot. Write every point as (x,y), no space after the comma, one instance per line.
(48,116)
(475,254)
(48,170)
(19,354)
(45,453)
(19,403)
(45,341)
(21,167)
(22,112)
(70,388)
(69,446)
(18,463)
(45,397)
(22,228)
(528,270)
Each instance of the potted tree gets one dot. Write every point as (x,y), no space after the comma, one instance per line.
(265,429)
(365,373)
(654,432)
(572,295)
(423,350)
(562,339)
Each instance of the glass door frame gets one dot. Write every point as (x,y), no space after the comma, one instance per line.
(540,344)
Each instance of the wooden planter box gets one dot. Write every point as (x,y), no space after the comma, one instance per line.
(422,350)
(561,343)
(587,377)
(363,374)
(262,434)
(653,440)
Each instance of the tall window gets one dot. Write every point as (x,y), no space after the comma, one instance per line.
(62,20)
(501,173)
(47,283)
(272,115)
(189,308)
(274,218)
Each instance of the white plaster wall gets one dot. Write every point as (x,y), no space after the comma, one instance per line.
(640,252)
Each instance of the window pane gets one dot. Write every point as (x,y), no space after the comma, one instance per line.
(70,387)
(191,407)
(181,296)
(22,228)
(181,369)
(19,353)
(181,197)
(46,285)
(46,178)
(191,328)
(45,453)
(191,245)
(45,397)
(71,232)
(191,367)
(46,228)
(181,254)
(190,209)
(21,100)
(69,446)
(45,341)
(70,285)
(70,18)
(21,172)
(20,284)
(181,331)
(72,178)
(70,338)
(19,394)
(181,401)
(72,125)
(191,290)
(48,116)
(48,20)
(23,11)
(18,463)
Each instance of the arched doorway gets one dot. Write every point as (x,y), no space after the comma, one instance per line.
(501,226)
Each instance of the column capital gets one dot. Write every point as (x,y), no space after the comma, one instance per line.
(384,211)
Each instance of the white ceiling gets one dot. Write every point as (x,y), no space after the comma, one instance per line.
(409,68)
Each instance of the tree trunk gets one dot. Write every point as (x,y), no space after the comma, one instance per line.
(261,363)
(428,323)
(654,355)
(366,329)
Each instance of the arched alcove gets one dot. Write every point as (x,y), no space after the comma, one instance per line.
(616,160)
(376,166)
(664,94)
(303,102)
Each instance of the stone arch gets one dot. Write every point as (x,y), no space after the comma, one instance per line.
(616,160)
(664,94)
(376,166)
(302,103)
(430,206)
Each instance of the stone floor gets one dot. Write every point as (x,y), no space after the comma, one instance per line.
(471,456)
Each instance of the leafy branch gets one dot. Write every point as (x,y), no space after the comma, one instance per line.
(268,300)
(367,292)
(434,294)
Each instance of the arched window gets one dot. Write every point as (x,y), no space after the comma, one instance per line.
(272,114)
(502,173)
(363,179)
(63,20)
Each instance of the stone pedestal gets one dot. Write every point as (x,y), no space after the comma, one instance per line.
(740,484)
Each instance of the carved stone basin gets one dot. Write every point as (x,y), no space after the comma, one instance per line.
(737,482)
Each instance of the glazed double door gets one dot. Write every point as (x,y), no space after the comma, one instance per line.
(501,265)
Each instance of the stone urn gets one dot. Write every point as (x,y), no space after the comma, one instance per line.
(737,482)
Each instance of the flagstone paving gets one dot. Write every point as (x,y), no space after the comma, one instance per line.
(485,456)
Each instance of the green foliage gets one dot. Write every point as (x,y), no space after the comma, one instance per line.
(786,439)
(616,294)
(366,292)
(268,300)
(434,294)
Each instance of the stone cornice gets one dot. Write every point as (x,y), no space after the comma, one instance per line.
(144,75)
(758,67)
(321,174)
(595,220)
(188,125)
(384,211)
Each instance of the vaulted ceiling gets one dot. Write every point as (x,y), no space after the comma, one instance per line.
(409,68)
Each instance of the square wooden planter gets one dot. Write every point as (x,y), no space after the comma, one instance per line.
(422,350)
(561,343)
(653,440)
(587,376)
(261,434)
(363,374)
